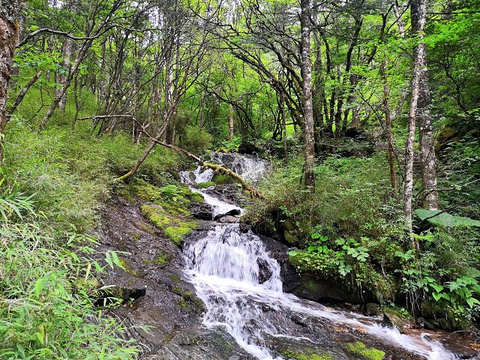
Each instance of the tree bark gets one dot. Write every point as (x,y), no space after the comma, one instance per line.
(230,123)
(388,125)
(24,91)
(63,73)
(418,111)
(309,133)
(424,119)
(8,41)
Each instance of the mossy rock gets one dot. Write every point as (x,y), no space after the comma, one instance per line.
(205,185)
(177,233)
(156,215)
(188,301)
(359,348)
(174,199)
(306,355)
(127,267)
(161,260)
(222,179)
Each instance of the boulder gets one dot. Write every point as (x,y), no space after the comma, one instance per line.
(394,321)
(372,309)
(233,212)
(322,289)
(229,219)
(202,211)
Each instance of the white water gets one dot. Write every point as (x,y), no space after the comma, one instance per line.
(238,292)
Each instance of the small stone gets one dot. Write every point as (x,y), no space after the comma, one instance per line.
(228,219)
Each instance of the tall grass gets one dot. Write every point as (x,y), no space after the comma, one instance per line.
(53,185)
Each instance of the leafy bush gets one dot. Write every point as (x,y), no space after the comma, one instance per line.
(196,139)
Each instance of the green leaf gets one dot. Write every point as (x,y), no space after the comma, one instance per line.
(439,218)
(437,287)
(472,301)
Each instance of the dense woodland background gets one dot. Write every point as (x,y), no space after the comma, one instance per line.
(368,110)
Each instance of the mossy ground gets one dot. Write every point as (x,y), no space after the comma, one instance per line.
(167,208)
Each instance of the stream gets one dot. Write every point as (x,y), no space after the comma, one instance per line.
(240,283)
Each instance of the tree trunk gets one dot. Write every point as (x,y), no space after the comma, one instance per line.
(309,133)
(24,91)
(8,41)
(63,91)
(230,123)
(388,125)
(418,105)
(424,119)
(63,73)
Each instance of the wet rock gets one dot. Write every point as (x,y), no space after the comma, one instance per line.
(372,309)
(232,213)
(202,211)
(244,227)
(229,219)
(321,289)
(265,272)
(394,321)
(291,280)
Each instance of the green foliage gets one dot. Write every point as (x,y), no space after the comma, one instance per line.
(46,306)
(69,174)
(196,139)
(47,279)
(440,218)
(205,185)
(447,271)
(354,235)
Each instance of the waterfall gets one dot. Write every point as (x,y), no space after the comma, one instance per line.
(240,283)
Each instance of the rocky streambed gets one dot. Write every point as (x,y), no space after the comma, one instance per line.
(219,293)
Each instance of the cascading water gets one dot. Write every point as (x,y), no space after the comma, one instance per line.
(240,284)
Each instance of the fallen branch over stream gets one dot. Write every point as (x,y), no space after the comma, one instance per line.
(215,167)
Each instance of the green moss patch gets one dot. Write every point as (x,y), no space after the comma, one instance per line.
(205,185)
(176,233)
(306,355)
(175,199)
(127,267)
(156,215)
(221,179)
(175,228)
(161,260)
(359,348)
(188,300)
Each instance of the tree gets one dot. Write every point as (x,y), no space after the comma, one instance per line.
(419,103)
(424,119)
(9,28)
(308,127)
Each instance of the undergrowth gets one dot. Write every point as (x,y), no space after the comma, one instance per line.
(53,186)
(351,230)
